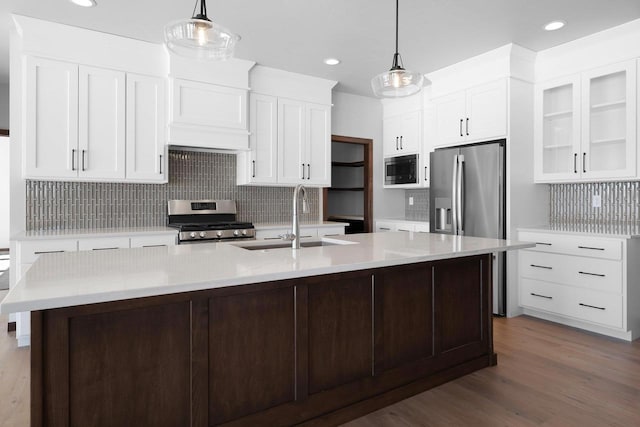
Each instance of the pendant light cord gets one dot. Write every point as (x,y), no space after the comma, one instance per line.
(203,8)
(397,2)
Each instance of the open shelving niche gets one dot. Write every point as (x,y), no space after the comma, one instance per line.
(346,195)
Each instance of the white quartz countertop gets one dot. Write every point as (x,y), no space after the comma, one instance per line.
(610,232)
(78,278)
(89,233)
(269,226)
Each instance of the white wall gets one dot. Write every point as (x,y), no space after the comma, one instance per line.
(4,192)
(4,105)
(361,117)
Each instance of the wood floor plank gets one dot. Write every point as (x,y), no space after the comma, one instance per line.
(547,375)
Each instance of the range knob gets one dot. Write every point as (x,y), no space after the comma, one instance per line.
(236,233)
(244,232)
(192,235)
(219,233)
(203,234)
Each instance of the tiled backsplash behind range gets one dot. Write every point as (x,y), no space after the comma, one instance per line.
(571,207)
(420,209)
(192,175)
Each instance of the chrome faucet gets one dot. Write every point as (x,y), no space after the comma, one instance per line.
(295,232)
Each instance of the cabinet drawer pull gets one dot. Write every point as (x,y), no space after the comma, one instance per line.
(591,274)
(153,246)
(330,235)
(305,237)
(592,306)
(541,266)
(461,134)
(47,252)
(103,249)
(541,296)
(384,228)
(543,244)
(575,162)
(272,238)
(591,248)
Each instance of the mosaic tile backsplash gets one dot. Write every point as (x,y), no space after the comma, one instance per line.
(420,209)
(192,175)
(571,207)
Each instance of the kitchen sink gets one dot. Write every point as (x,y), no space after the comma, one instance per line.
(259,246)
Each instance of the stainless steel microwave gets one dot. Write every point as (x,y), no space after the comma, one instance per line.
(401,170)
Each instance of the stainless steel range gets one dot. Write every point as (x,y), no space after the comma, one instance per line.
(207,221)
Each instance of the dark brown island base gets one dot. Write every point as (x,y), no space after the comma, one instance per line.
(319,350)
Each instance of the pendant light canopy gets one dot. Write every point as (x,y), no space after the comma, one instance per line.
(200,38)
(397,82)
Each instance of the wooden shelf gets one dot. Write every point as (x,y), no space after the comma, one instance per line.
(348,164)
(346,189)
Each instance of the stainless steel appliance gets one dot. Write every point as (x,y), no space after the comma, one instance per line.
(467,197)
(401,170)
(207,221)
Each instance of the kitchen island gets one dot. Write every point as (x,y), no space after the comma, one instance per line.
(217,334)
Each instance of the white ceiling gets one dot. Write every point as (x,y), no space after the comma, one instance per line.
(296,35)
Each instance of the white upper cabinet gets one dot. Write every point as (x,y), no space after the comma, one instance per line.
(92,124)
(101,124)
(260,165)
(318,144)
(51,119)
(401,134)
(146,149)
(477,114)
(292,162)
(585,125)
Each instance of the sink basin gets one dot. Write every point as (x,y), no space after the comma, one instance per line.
(260,246)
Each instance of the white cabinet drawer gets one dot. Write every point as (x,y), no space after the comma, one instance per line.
(104,243)
(597,307)
(152,241)
(382,226)
(405,227)
(541,295)
(597,274)
(421,228)
(30,250)
(594,247)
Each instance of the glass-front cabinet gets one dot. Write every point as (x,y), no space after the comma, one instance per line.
(586,125)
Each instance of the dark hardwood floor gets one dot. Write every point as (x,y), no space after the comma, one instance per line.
(547,375)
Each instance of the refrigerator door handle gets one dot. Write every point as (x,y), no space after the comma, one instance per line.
(461,195)
(454,188)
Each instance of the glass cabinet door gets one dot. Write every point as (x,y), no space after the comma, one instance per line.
(557,129)
(609,122)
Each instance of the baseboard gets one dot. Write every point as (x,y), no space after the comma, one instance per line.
(11,326)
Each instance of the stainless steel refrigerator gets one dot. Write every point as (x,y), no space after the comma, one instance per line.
(467,197)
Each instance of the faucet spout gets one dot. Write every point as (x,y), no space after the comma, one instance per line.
(295,242)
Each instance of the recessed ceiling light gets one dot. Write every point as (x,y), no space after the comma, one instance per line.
(85,3)
(332,61)
(554,25)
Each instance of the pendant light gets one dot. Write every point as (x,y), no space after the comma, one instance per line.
(200,38)
(397,82)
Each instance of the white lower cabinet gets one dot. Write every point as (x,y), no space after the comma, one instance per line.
(306,231)
(582,281)
(28,251)
(402,225)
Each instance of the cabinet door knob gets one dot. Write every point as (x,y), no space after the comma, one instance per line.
(461,134)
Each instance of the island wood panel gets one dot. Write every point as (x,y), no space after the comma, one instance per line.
(340,310)
(404,316)
(252,353)
(307,345)
(462,290)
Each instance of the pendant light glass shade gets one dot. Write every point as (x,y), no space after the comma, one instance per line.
(397,82)
(200,38)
